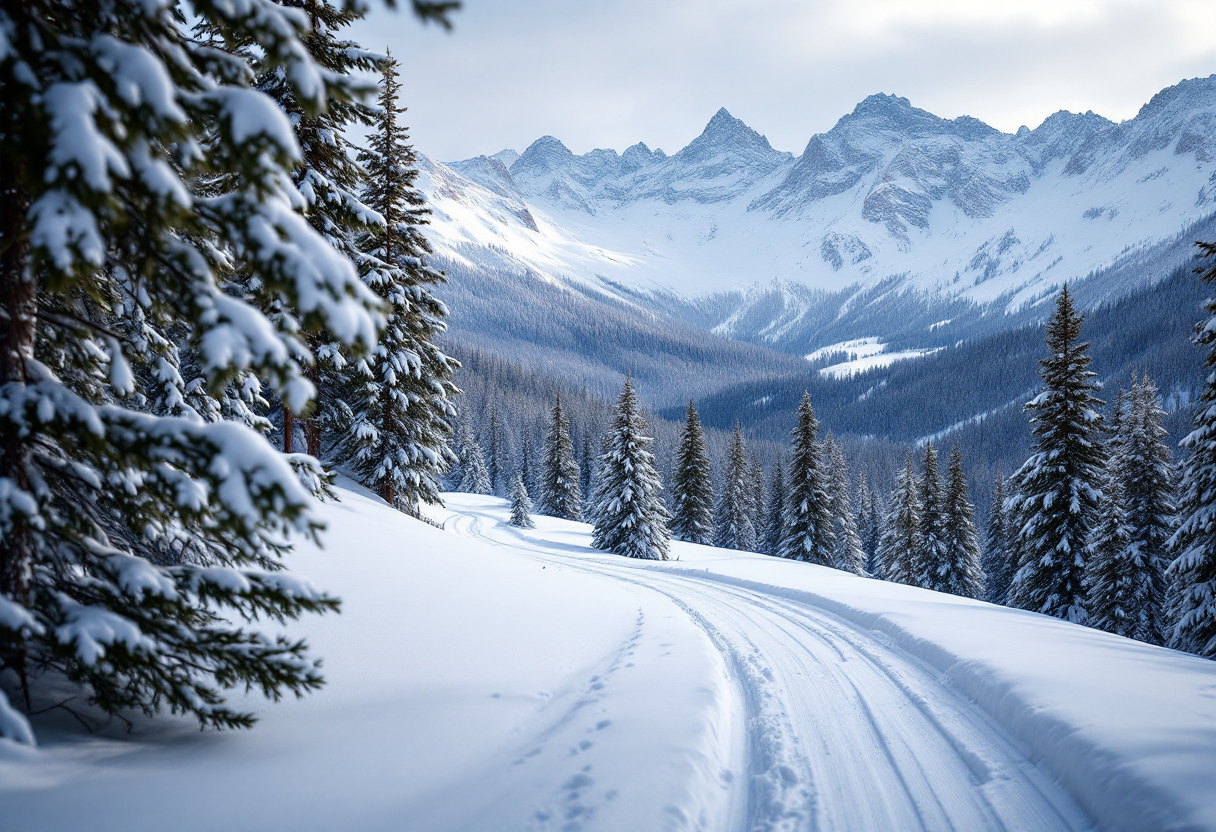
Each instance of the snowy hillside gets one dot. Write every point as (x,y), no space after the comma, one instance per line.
(486,678)
(947,206)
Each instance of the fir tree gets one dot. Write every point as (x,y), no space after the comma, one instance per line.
(630,518)
(400,396)
(1193,572)
(560,494)
(586,476)
(866,527)
(496,459)
(474,478)
(692,487)
(901,532)
(997,559)
(774,518)
(756,497)
(138,175)
(327,179)
(733,527)
(929,566)
(527,465)
(1115,594)
(962,573)
(808,519)
(848,555)
(521,504)
(1057,489)
(1149,483)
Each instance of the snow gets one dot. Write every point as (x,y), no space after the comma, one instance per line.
(489,677)
(864,354)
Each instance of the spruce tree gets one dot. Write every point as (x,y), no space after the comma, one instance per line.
(929,565)
(496,459)
(521,504)
(809,535)
(138,175)
(586,476)
(961,573)
(560,493)
(1058,488)
(527,465)
(400,396)
(692,516)
(1193,571)
(848,555)
(328,178)
(774,517)
(630,518)
(997,559)
(865,521)
(733,527)
(1116,596)
(1150,487)
(901,533)
(756,495)
(474,478)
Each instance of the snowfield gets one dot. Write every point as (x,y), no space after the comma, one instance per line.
(483,677)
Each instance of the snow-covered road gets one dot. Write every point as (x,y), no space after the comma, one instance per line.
(482,678)
(843,730)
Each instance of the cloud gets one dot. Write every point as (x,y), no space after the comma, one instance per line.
(608,74)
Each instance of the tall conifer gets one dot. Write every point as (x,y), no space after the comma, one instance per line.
(733,528)
(1058,488)
(560,494)
(997,558)
(692,487)
(630,518)
(962,573)
(774,517)
(848,554)
(901,532)
(929,566)
(809,535)
(400,396)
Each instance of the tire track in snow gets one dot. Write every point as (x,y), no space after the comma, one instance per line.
(844,731)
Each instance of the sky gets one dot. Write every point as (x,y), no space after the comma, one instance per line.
(611,73)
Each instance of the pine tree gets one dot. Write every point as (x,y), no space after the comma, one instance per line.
(1115,595)
(808,519)
(929,560)
(474,478)
(755,495)
(527,465)
(997,559)
(1193,572)
(733,527)
(586,476)
(692,487)
(560,494)
(521,504)
(138,175)
(866,526)
(901,533)
(496,459)
(962,573)
(630,518)
(1057,489)
(1149,484)
(327,179)
(774,517)
(848,554)
(400,396)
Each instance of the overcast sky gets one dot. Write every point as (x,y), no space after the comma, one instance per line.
(610,73)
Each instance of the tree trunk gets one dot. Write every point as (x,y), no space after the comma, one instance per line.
(289,429)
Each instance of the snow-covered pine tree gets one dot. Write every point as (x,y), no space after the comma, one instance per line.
(692,516)
(399,396)
(560,495)
(962,573)
(328,178)
(848,554)
(133,546)
(808,517)
(1058,488)
(1115,593)
(997,560)
(774,517)
(474,478)
(733,527)
(901,532)
(1193,571)
(1150,490)
(630,518)
(929,560)
(586,476)
(527,465)
(521,504)
(865,521)
(756,493)
(873,536)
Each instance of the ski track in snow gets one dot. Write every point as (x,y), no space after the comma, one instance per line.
(844,731)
